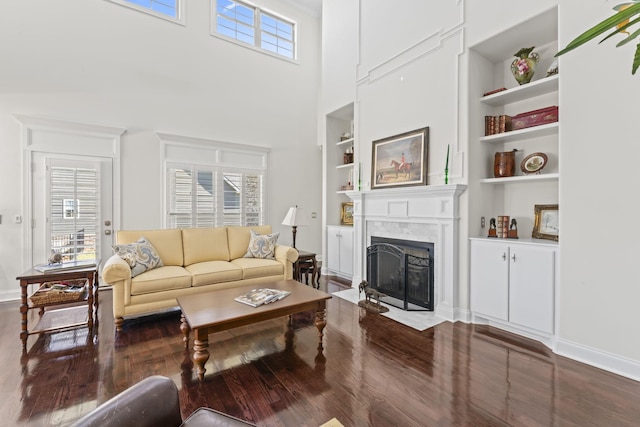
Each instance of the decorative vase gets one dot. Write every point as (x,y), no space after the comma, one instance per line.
(504,164)
(524,65)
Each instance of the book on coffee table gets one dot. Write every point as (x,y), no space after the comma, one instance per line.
(257,297)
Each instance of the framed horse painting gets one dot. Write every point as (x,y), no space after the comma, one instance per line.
(400,160)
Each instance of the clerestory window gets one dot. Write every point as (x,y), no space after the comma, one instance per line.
(255,27)
(171,10)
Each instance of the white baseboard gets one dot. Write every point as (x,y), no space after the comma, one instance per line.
(599,359)
(10,295)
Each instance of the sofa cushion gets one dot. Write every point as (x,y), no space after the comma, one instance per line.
(141,256)
(239,238)
(160,279)
(209,272)
(262,245)
(204,244)
(257,267)
(167,242)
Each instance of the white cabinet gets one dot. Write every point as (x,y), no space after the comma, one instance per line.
(340,251)
(514,282)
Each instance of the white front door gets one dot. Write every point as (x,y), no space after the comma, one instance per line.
(72,207)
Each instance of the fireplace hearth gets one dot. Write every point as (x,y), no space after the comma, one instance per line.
(403,271)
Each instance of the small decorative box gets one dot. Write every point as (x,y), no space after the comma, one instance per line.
(535,118)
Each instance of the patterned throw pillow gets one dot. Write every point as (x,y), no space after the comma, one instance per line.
(141,256)
(262,245)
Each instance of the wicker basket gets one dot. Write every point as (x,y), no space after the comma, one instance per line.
(59,292)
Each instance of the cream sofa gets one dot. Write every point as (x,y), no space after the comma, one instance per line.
(194,260)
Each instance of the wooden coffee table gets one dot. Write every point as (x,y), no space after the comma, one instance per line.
(217,311)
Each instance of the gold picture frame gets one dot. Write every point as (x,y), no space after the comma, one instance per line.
(346,214)
(400,160)
(545,224)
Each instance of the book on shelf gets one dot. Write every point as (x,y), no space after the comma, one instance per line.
(258,297)
(497,124)
(491,92)
(64,266)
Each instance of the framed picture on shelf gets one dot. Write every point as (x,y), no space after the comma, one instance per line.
(400,160)
(545,224)
(346,214)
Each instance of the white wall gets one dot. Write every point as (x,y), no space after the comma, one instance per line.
(598,97)
(98,62)
(598,217)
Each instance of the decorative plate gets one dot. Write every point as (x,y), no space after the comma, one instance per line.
(533,163)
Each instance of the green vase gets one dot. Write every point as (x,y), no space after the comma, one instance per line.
(524,66)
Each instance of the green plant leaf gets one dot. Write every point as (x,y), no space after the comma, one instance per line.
(621,29)
(600,28)
(628,39)
(636,60)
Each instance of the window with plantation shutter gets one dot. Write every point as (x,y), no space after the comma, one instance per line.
(213,197)
(73,212)
(211,183)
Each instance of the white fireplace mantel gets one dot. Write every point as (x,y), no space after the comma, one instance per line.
(421,213)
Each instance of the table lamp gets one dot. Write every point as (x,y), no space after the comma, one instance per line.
(294,218)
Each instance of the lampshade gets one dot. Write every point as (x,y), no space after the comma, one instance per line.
(295,217)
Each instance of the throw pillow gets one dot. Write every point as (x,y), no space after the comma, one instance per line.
(141,256)
(262,245)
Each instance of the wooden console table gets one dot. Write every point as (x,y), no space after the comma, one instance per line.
(59,315)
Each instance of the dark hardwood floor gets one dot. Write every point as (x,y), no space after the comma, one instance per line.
(372,372)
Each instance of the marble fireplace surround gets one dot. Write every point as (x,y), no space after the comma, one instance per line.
(422,213)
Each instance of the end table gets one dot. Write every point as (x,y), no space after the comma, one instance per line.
(59,315)
(307,265)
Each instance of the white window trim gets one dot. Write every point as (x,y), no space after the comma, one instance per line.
(213,32)
(181,11)
(209,154)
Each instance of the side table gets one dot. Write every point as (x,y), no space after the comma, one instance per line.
(59,315)
(307,266)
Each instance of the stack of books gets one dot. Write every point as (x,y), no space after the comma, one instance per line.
(497,124)
(502,228)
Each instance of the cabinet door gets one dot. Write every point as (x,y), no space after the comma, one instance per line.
(346,252)
(490,279)
(531,293)
(333,249)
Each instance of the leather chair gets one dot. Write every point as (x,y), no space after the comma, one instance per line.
(153,402)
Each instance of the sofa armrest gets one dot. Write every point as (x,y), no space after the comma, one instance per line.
(115,270)
(286,253)
(151,402)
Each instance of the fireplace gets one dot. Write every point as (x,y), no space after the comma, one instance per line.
(403,271)
(428,213)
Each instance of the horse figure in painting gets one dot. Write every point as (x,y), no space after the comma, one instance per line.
(401,167)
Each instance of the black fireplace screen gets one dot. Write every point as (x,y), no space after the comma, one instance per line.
(402,270)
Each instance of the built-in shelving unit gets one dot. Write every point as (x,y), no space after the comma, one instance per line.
(489,65)
(513,282)
(339,175)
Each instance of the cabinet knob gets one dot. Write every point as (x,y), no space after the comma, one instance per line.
(513,257)
(504,256)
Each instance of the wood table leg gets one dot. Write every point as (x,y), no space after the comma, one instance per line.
(90,300)
(200,352)
(186,329)
(289,334)
(24,309)
(321,318)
